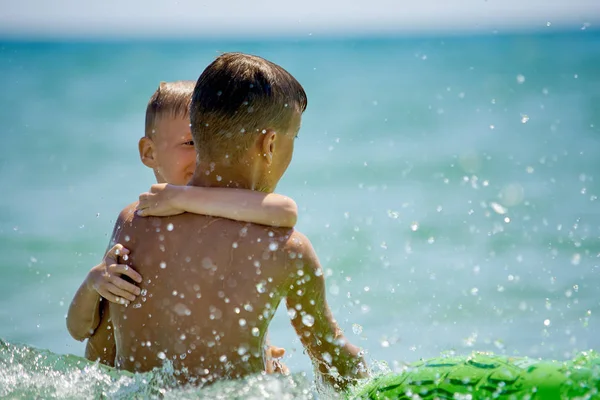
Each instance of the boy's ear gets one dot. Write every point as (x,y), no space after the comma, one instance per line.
(267,145)
(147,153)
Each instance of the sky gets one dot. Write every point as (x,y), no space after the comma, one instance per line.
(201,18)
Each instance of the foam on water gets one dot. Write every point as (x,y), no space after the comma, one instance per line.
(26,372)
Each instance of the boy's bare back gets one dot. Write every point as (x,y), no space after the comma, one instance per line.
(206,305)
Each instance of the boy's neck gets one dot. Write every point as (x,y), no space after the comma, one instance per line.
(219,175)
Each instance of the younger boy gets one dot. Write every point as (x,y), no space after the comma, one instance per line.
(168,149)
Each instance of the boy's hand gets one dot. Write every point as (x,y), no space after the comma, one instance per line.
(274,365)
(105,277)
(159,201)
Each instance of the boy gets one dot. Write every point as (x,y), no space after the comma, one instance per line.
(214,284)
(167,148)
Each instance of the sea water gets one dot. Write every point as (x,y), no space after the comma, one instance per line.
(449,185)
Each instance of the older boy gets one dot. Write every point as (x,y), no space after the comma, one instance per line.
(215,283)
(167,148)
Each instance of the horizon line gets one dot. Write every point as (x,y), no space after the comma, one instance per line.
(333,34)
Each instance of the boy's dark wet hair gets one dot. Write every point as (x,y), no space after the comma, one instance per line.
(237,97)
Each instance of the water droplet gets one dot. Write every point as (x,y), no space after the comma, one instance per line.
(208,264)
(170,227)
(255,332)
(163,264)
(357,329)
(385,343)
(242,350)
(414,226)
(273,246)
(161,355)
(524,119)
(393,214)
(546,322)
(308,320)
(223,358)
(327,357)
(242,322)
(520,79)
(248,307)
(292,313)
(234,245)
(261,287)
(182,337)
(498,208)
(182,310)
(576,259)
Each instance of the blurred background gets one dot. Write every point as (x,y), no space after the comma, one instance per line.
(446,171)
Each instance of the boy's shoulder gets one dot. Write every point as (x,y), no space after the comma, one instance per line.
(126,215)
(298,246)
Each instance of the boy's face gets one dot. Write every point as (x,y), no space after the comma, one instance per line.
(170,153)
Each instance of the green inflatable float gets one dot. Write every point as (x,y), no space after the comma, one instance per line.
(486,376)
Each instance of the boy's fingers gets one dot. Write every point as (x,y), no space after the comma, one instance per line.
(143,198)
(126,270)
(119,293)
(157,187)
(113,299)
(277,352)
(124,285)
(117,250)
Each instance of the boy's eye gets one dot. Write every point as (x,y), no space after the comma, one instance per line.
(189,143)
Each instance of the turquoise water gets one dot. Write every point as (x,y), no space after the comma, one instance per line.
(450,187)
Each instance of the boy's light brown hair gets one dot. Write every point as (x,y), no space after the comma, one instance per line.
(170,99)
(236,98)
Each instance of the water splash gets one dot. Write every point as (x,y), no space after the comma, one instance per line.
(26,372)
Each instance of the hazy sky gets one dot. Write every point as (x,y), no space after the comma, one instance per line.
(299,17)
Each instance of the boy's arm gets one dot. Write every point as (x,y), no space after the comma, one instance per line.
(239,204)
(103,281)
(339,362)
(101,346)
